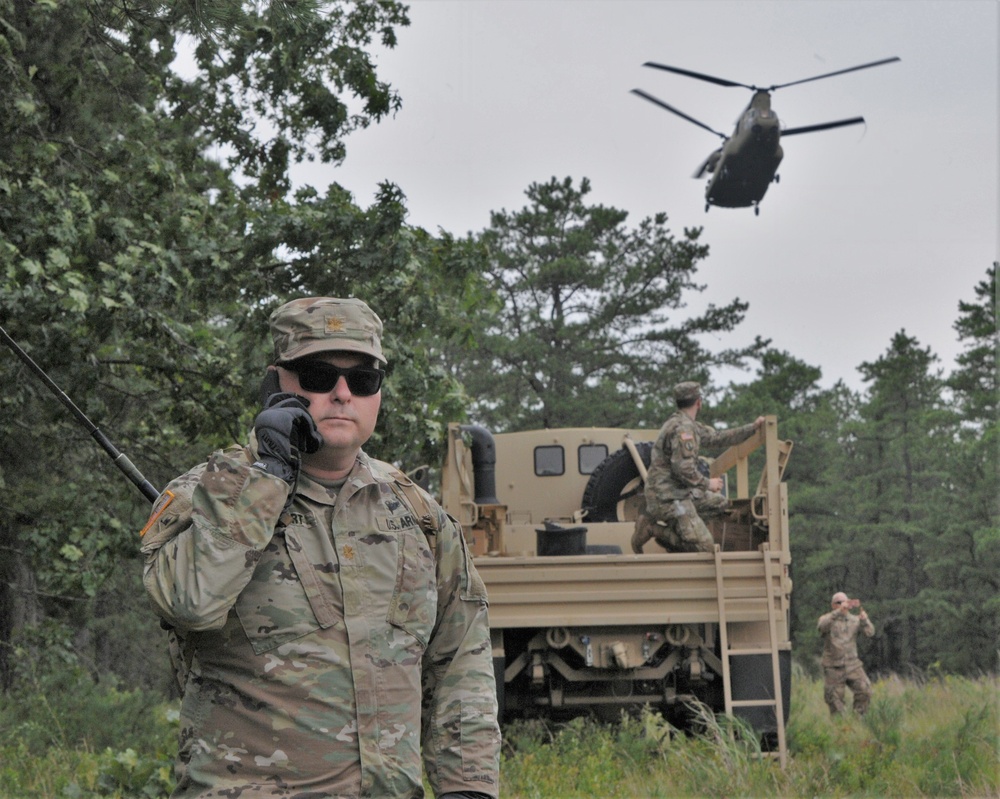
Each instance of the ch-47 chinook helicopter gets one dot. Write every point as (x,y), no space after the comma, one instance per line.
(747,162)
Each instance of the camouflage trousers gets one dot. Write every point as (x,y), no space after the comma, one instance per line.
(836,678)
(677,524)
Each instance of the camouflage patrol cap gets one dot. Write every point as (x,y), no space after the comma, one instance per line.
(687,391)
(325,324)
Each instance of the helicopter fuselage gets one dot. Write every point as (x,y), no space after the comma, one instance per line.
(747,162)
(749,159)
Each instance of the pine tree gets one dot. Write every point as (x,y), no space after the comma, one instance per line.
(966,574)
(897,473)
(589,328)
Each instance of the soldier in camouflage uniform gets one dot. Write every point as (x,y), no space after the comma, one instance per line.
(677,492)
(333,634)
(841,665)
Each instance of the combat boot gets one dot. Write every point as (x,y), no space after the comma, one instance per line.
(643,532)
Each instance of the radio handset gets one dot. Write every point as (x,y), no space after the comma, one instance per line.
(268,386)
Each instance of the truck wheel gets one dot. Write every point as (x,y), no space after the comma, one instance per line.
(614,491)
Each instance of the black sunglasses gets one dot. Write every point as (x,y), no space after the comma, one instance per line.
(321,377)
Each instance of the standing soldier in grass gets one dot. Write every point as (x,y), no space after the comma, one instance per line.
(333,628)
(841,664)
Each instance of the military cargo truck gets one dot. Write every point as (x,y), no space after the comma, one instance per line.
(579,621)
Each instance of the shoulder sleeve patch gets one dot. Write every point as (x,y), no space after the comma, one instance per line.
(161,505)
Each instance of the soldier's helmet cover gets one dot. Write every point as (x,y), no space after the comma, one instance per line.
(310,325)
(687,391)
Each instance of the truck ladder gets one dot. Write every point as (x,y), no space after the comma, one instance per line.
(778,701)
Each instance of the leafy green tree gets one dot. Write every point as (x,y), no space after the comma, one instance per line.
(148,226)
(101,234)
(590,328)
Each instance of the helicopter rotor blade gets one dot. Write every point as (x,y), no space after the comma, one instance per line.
(824,126)
(681,114)
(698,75)
(838,72)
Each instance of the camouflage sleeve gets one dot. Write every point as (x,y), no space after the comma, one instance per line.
(867,627)
(715,439)
(205,537)
(461,734)
(684,458)
(825,621)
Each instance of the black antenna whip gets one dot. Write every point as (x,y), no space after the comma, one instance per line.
(119,458)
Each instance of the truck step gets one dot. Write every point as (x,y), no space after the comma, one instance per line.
(754,703)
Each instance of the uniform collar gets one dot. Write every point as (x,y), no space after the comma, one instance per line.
(317,492)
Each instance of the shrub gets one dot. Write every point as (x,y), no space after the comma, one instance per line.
(63,735)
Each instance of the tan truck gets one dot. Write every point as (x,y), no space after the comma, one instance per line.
(579,621)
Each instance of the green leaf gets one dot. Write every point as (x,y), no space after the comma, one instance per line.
(26,107)
(71,553)
(32,267)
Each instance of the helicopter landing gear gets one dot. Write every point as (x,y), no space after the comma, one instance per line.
(756,209)
(707,206)
(777,178)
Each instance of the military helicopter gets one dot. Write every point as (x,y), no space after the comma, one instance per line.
(747,162)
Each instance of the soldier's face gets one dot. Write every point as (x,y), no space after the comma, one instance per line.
(345,420)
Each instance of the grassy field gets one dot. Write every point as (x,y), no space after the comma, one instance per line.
(934,738)
(922,738)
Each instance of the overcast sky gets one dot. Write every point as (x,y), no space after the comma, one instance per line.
(873,229)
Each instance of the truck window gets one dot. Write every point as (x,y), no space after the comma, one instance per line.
(549,461)
(590,456)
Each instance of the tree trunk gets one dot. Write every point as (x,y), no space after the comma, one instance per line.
(19,606)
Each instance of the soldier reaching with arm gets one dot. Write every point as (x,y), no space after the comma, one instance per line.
(332,623)
(677,493)
(841,664)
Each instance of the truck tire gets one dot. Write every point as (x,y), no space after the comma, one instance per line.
(614,489)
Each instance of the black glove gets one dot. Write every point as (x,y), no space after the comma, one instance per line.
(284,430)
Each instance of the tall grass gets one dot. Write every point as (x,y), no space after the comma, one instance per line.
(926,738)
(60,737)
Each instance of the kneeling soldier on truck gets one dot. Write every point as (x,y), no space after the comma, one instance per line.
(677,491)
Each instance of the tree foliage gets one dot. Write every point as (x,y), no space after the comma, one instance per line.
(147,227)
(591,324)
(966,566)
(901,448)
(813,419)
(149,224)
(892,494)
